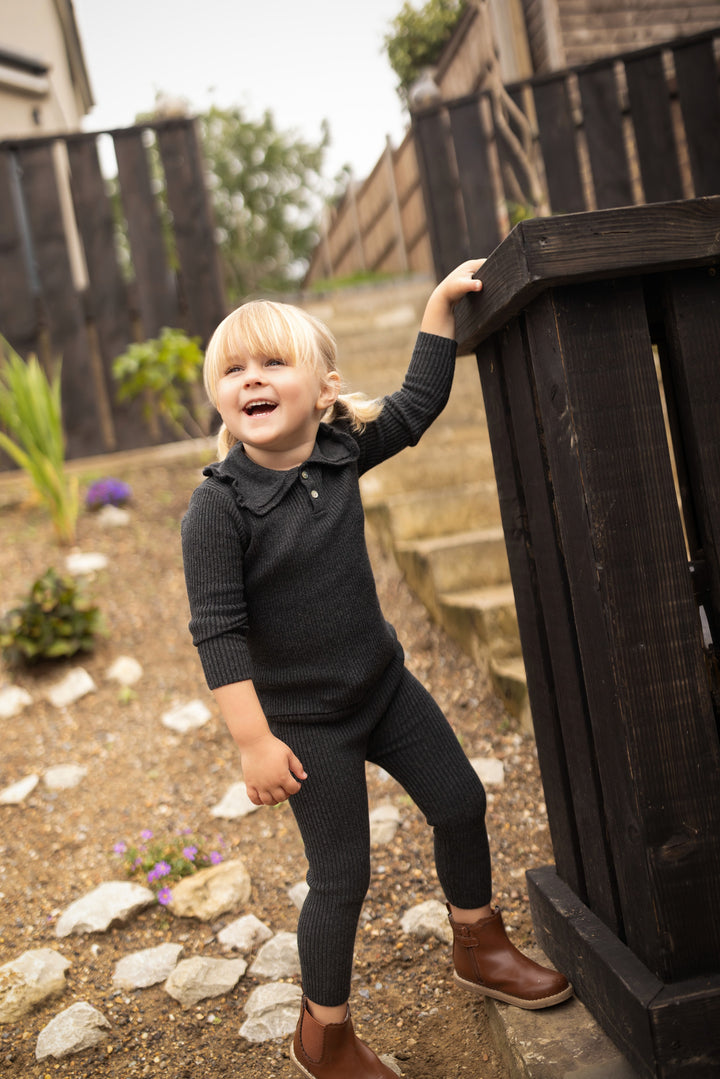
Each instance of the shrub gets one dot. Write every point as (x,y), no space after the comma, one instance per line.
(159,371)
(56,621)
(31,412)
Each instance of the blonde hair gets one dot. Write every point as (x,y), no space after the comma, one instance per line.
(268,328)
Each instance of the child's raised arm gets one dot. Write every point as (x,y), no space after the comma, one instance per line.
(439,317)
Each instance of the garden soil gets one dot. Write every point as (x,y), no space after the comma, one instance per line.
(58,845)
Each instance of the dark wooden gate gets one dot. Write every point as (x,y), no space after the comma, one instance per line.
(636,128)
(598,345)
(55,210)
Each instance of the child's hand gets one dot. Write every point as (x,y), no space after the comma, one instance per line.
(439,318)
(271,771)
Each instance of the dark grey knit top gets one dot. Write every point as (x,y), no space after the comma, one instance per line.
(278,576)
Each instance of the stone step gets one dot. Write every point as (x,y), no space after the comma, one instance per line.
(429,514)
(461,561)
(430,466)
(482,620)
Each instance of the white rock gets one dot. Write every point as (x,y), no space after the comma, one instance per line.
(110,903)
(272,1012)
(490,770)
(384,821)
(18,792)
(186,717)
(80,565)
(426,920)
(211,892)
(278,958)
(298,893)
(148,967)
(125,670)
(200,977)
(64,776)
(244,934)
(79,1027)
(234,803)
(76,683)
(112,516)
(12,701)
(25,981)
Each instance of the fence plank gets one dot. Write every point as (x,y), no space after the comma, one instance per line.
(107,295)
(193,227)
(697,85)
(638,625)
(477,189)
(18,307)
(446,225)
(649,98)
(66,323)
(156,296)
(556,129)
(604,134)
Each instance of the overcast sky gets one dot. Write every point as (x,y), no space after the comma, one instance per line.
(305,60)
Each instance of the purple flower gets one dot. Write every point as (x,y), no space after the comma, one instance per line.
(190,853)
(120,848)
(215,857)
(159,870)
(107,492)
(146,834)
(164,896)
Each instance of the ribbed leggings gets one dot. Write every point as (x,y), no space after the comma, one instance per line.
(404,731)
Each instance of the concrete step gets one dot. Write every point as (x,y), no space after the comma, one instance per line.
(482,620)
(461,561)
(430,466)
(427,514)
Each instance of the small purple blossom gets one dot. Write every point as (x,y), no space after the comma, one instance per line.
(215,857)
(120,848)
(190,853)
(146,834)
(158,871)
(164,896)
(107,492)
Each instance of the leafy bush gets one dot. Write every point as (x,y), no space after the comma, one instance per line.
(31,412)
(56,621)
(159,371)
(158,862)
(417,38)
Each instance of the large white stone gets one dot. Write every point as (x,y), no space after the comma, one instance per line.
(428,919)
(18,792)
(244,934)
(79,1027)
(202,977)
(109,904)
(12,701)
(34,976)
(490,769)
(186,717)
(125,670)
(76,684)
(384,823)
(64,776)
(278,958)
(81,565)
(147,967)
(272,1012)
(211,892)
(234,803)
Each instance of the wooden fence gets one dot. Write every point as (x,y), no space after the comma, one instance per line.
(380,225)
(608,471)
(64,289)
(638,128)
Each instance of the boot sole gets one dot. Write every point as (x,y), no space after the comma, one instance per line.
(298,1065)
(507,998)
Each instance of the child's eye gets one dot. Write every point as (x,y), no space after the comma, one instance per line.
(275,362)
(232,368)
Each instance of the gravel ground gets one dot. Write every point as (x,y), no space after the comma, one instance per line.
(56,846)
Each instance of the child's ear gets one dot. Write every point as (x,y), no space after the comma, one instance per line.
(329,390)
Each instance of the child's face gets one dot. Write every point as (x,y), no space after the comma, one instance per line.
(273,407)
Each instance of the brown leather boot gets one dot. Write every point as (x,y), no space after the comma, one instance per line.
(333,1051)
(487,963)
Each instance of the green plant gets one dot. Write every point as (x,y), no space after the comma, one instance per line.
(159,861)
(54,622)
(159,371)
(31,413)
(417,38)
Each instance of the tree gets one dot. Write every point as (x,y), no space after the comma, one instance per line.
(418,37)
(267,191)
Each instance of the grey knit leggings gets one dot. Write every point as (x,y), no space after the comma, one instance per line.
(403,730)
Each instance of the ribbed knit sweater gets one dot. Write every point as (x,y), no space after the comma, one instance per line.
(278,576)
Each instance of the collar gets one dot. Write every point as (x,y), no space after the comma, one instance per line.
(260,489)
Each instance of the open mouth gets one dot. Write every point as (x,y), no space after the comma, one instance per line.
(259,408)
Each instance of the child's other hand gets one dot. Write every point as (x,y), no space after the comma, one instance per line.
(439,318)
(271,771)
